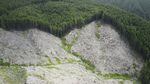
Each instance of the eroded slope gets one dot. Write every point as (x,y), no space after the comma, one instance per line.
(31,47)
(38,57)
(103,46)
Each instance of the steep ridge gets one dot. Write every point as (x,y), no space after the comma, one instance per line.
(43,59)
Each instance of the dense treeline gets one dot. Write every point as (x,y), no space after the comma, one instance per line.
(60,16)
(136,29)
(54,16)
(8,5)
(139,7)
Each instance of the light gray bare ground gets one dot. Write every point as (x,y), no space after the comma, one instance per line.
(61,74)
(102,46)
(31,47)
(67,74)
(108,52)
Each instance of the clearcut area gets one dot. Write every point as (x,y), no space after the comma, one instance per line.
(93,54)
(105,48)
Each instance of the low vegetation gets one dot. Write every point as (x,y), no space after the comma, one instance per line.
(13,74)
(145,73)
(88,65)
(117,76)
(2,63)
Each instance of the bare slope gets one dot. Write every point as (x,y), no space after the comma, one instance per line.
(36,57)
(103,46)
(31,47)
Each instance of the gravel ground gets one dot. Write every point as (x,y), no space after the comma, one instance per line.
(67,74)
(48,63)
(31,47)
(108,52)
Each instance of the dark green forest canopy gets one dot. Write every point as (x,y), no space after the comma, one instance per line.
(139,7)
(60,16)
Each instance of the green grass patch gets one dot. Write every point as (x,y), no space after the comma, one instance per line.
(71,60)
(51,67)
(98,24)
(65,45)
(13,74)
(117,76)
(58,60)
(121,82)
(97,34)
(75,38)
(49,60)
(2,63)
(88,65)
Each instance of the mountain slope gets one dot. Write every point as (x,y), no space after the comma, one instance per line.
(58,17)
(139,7)
(36,57)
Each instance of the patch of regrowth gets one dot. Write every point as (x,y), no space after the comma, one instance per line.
(121,82)
(65,45)
(49,60)
(52,67)
(97,34)
(58,60)
(137,82)
(134,67)
(117,76)
(71,60)
(13,74)
(88,65)
(98,24)
(75,38)
(2,63)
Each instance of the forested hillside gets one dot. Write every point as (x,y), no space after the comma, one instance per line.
(139,7)
(60,16)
